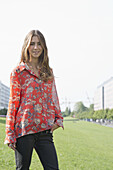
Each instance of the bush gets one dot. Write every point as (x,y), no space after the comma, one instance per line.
(3,111)
(110,114)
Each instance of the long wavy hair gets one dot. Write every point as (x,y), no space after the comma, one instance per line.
(43,62)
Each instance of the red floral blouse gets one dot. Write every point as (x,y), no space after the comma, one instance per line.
(33,104)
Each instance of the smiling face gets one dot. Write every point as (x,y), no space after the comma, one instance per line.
(35,48)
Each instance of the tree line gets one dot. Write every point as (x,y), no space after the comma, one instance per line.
(82,112)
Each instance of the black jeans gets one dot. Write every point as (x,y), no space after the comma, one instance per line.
(44,146)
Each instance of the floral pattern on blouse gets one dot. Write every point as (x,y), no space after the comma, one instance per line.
(33,104)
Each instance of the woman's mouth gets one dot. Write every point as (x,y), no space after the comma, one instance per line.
(35,52)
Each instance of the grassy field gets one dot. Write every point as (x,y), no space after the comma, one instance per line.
(81,146)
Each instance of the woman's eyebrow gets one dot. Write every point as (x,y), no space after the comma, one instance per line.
(34,42)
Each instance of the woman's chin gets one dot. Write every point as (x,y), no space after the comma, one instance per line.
(35,56)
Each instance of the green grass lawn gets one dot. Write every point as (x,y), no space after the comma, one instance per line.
(81,146)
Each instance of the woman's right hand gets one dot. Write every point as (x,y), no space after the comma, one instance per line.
(12,146)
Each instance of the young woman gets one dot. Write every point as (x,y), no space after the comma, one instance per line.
(33,111)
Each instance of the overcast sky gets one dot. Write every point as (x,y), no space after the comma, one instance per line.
(79,37)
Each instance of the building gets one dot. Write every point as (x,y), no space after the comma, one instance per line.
(4,96)
(103,97)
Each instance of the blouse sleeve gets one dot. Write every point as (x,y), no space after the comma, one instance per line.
(13,106)
(58,114)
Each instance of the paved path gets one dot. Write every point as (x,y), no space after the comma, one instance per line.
(103,124)
(108,125)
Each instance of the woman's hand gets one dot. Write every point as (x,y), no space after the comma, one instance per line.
(12,146)
(55,126)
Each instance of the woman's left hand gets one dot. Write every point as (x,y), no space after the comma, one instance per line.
(55,126)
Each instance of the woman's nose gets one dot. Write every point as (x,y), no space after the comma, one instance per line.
(36,46)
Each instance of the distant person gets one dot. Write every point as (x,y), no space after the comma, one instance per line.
(33,111)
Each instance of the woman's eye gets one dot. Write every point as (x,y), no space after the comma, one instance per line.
(31,43)
(34,44)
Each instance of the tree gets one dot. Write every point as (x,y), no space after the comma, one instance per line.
(91,107)
(3,111)
(67,112)
(79,107)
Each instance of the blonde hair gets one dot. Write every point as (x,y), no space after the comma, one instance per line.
(45,70)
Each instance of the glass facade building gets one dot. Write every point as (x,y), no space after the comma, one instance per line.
(4,96)
(103,97)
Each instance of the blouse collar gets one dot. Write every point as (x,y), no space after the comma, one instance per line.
(24,66)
